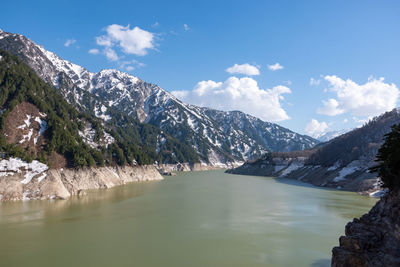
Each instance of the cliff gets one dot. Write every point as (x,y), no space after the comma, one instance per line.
(62,183)
(374,239)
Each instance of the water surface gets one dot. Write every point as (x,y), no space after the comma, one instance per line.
(193,219)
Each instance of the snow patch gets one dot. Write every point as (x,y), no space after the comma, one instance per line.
(14,165)
(108,139)
(28,120)
(292,167)
(88,135)
(349,169)
(335,166)
(26,137)
(41,177)
(278,168)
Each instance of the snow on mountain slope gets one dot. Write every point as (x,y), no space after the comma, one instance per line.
(331,134)
(228,136)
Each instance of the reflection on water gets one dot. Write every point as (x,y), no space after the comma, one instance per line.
(36,210)
(193,219)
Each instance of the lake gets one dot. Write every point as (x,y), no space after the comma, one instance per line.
(204,218)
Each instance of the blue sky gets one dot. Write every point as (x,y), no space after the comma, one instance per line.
(345,46)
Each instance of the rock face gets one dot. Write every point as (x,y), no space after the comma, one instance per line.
(374,239)
(62,183)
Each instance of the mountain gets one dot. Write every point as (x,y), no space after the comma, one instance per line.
(325,137)
(342,163)
(38,123)
(216,137)
(49,149)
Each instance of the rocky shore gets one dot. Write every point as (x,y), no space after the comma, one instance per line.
(374,239)
(353,177)
(63,183)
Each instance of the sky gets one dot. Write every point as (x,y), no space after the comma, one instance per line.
(310,66)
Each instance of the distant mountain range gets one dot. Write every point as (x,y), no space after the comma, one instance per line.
(180,133)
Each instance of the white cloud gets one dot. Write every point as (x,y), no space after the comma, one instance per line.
(369,99)
(104,41)
(111,54)
(330,108)
(69,42)
(130,65)
(131,41)
(155,24)
(315,128)
(245,69)
(94,51)
(239,94)
(275,66)
(186,27)
(314,82)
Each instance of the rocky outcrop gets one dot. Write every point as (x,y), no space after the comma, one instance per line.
(374,239)
(63,183)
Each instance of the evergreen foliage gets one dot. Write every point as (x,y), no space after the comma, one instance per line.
(134,142)
(389,159)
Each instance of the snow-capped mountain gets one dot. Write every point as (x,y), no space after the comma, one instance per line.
(325,137)
(217,136)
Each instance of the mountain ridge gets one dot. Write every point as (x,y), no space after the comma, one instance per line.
(343,162)
(216,136)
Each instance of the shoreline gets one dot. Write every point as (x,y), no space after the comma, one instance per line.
(64,183)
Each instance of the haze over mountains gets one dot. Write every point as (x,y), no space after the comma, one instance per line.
(216,137)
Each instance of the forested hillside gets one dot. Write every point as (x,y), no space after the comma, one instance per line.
(79,137)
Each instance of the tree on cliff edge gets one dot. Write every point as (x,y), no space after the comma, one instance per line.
(389,159)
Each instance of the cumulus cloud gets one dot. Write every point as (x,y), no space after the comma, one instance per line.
(111,54)
(245,69)
(330,108)
(315,128)
(239,94)
(94,51)
(369,99)
(69,42)
(131,41)
(186,27)
(275,66)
